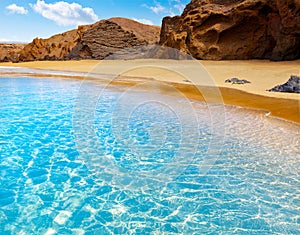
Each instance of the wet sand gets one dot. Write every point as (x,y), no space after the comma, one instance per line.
(263,75)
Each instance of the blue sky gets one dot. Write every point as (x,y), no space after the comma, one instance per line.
(24,20)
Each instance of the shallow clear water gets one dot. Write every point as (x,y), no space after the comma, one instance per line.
(62,172)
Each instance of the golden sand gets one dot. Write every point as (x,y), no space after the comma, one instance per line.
(263,75)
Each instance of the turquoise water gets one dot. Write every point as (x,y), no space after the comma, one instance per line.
(57,176)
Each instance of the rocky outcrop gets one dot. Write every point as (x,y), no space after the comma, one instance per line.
(95,41)
(237,81)
(10,52)
(236,29)
(149,33)
(291,86)
(53,48)
(103,39)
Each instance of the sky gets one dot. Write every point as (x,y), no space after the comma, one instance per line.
(24,20)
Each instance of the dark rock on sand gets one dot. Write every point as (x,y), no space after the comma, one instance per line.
(291,86)
(236,29)
(237,81)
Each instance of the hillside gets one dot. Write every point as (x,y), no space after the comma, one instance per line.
(95,41)
(10,52)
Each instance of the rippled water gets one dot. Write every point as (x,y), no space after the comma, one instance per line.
(64,173)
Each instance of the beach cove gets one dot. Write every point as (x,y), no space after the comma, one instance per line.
(263,75)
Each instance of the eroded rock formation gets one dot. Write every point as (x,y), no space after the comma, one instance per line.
(53,48)
(10,52)
(95,41)
(236,29)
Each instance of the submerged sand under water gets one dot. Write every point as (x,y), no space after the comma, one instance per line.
(90,169)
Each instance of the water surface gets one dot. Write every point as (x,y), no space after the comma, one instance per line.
(56,177)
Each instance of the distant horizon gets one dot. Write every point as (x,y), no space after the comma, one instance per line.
(44,18)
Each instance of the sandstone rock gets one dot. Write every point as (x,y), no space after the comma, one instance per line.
(95,41)
(236,29)
(291,86)
(149,33)
(10,52)
(53,48)
(103,39)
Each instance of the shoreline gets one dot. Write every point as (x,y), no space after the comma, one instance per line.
(284,106)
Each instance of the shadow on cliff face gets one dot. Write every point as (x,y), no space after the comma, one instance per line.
(149,52)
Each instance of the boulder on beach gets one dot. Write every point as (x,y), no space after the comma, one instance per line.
(291,86)
(237,81)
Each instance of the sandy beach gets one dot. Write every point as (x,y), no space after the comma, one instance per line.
(263,75)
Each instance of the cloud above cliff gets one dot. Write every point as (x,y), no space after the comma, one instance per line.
(179,6)
(3,40)
(144,21)
(174,7)
(64,13)
(14,9)
(157,8)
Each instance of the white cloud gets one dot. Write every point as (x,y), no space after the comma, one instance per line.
(158,8)
(11,41)
(3,40)
(174,6)
(65,14)
(144,21)
(180,7)
(14,9)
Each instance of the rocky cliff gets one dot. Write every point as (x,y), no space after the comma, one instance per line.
(236,29)
(53,48)
(95,41)
(148,33)
(10,52)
